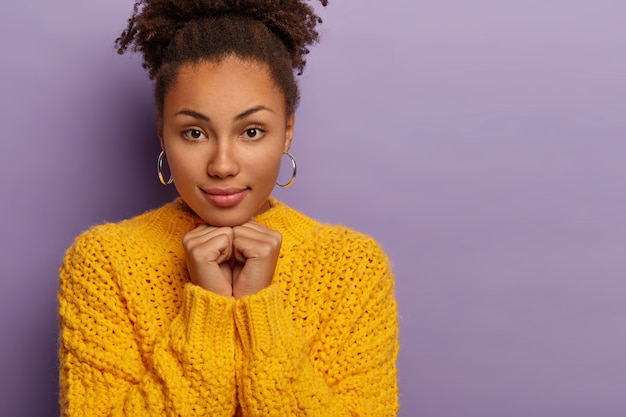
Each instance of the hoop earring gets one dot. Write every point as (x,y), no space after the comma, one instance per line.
(293,173)
(160,170)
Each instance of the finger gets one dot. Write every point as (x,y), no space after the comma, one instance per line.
(206,231)
(251,224)
(259,246)
(211,247)
(217,250)
(255,230)
(245,247)
(255,263)
(200,236)
(253,240)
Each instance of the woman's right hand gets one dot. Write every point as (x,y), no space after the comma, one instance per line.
(208,252)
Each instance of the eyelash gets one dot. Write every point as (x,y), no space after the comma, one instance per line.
(260,132)
(189,132)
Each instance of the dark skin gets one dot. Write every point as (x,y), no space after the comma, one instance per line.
(231,255)
(224,131)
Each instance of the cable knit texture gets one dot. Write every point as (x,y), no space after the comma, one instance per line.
(138,339)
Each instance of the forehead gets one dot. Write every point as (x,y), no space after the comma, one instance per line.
(231,83)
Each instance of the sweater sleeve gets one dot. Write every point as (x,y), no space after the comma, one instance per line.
(347,368)
(104,371)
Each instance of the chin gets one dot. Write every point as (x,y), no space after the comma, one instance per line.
(225,216)
(225,223)
(225,219)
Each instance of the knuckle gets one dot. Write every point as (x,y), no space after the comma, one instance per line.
(266,248)
(194,252)
(226,232)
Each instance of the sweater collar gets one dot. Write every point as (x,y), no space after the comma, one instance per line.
(280,217)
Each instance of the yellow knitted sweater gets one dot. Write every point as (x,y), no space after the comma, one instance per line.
(138,339)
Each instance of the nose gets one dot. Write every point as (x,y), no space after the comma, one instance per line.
(223,160)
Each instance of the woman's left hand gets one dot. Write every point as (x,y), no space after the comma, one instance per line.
(255,253)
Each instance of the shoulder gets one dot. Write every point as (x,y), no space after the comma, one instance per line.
(108,233)
(334,234)
(334,262)
(344,240)
(336,244)
(153,226)
(351,251)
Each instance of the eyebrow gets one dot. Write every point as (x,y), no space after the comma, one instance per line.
(251,111)
(241,116)
(194,114)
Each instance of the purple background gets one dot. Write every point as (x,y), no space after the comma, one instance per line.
(482,143)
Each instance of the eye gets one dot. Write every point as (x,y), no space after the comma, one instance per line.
(253,133)
(194,134)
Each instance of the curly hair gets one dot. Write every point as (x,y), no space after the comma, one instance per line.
(170,33)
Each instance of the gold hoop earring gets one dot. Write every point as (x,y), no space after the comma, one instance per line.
(160,170)
(293,172)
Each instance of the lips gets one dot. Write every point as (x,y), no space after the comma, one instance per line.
(225,197)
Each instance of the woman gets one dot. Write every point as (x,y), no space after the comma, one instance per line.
(226,301)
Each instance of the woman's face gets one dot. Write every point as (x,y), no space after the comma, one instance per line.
(224,129)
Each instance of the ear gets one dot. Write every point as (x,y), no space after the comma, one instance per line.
(291,122)
(160,130)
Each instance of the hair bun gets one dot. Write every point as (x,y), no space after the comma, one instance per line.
(154,24)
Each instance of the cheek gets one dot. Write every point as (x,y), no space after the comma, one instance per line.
(183,164)
(265,165)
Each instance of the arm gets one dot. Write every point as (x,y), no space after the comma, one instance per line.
(106,372)
(347,367)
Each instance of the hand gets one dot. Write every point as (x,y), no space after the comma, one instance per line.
(236,261)
(255,252)
(208,253)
